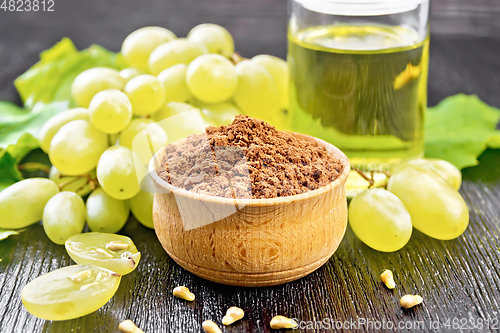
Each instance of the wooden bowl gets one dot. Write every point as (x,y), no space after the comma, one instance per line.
(264,242)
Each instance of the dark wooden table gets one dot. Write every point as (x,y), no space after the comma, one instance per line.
(459,279)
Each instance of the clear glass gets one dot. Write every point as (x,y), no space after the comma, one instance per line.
(358,75)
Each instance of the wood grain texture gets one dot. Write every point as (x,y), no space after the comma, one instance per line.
(253,242)
(458,279)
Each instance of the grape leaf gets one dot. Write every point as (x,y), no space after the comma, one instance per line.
(6,233)
(10,157)
(460,128)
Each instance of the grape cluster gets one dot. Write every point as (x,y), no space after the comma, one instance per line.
(91,146)
(421,194)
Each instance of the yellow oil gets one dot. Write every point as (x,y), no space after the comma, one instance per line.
(362,88)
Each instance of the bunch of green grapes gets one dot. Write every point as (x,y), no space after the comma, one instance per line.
(421,194)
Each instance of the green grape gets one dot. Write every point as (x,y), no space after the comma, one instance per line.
(145,93)
(445,169)
(156,134)
(110,111)
(106,214)
(78,184)
(220,114)
(137,47)
(93,80)
(173,80)
(171,109)
(278,68)
(114,252)
(211,78)
(129,73)
(380,220)
(50,128)
(63,216)
(22,203)
(256,94)
(177,51)
(215,38)
(76,148)
(183,124)
(141,206)
(70,292)
(116,173)
(435,207)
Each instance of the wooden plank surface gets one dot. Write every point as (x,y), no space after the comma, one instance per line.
(459,279)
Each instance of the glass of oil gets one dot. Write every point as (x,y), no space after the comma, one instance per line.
(358,76)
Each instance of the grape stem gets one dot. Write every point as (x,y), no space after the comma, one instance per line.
(365,177)
(34,166)
(234,57)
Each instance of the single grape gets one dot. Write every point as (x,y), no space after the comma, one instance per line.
(116,173)
(211,78)
(70,292)
(177,51)
(435,207)
(445,169)
(50,128)
(141,206)
(63,216)
(114,252)
(215,38)
(137,47)
(157,136)
(173,80)
(106,214)
(145,93)
(78,184)
(91,81)
(220,114)
(179,126)
(76,148)
(278,68)
(171,109)
(256,94)
(380,220)
(129,73)
(110,111)
(22,203)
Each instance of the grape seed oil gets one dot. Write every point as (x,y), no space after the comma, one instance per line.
(362,88)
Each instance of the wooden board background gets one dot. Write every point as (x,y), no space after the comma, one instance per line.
(459,279)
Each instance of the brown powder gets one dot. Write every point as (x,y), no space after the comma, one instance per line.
(248,158)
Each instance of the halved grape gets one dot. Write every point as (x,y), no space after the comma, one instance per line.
(63,216)
(70,292)
(114,252)
(146,94)
(106,214)
(22,203)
